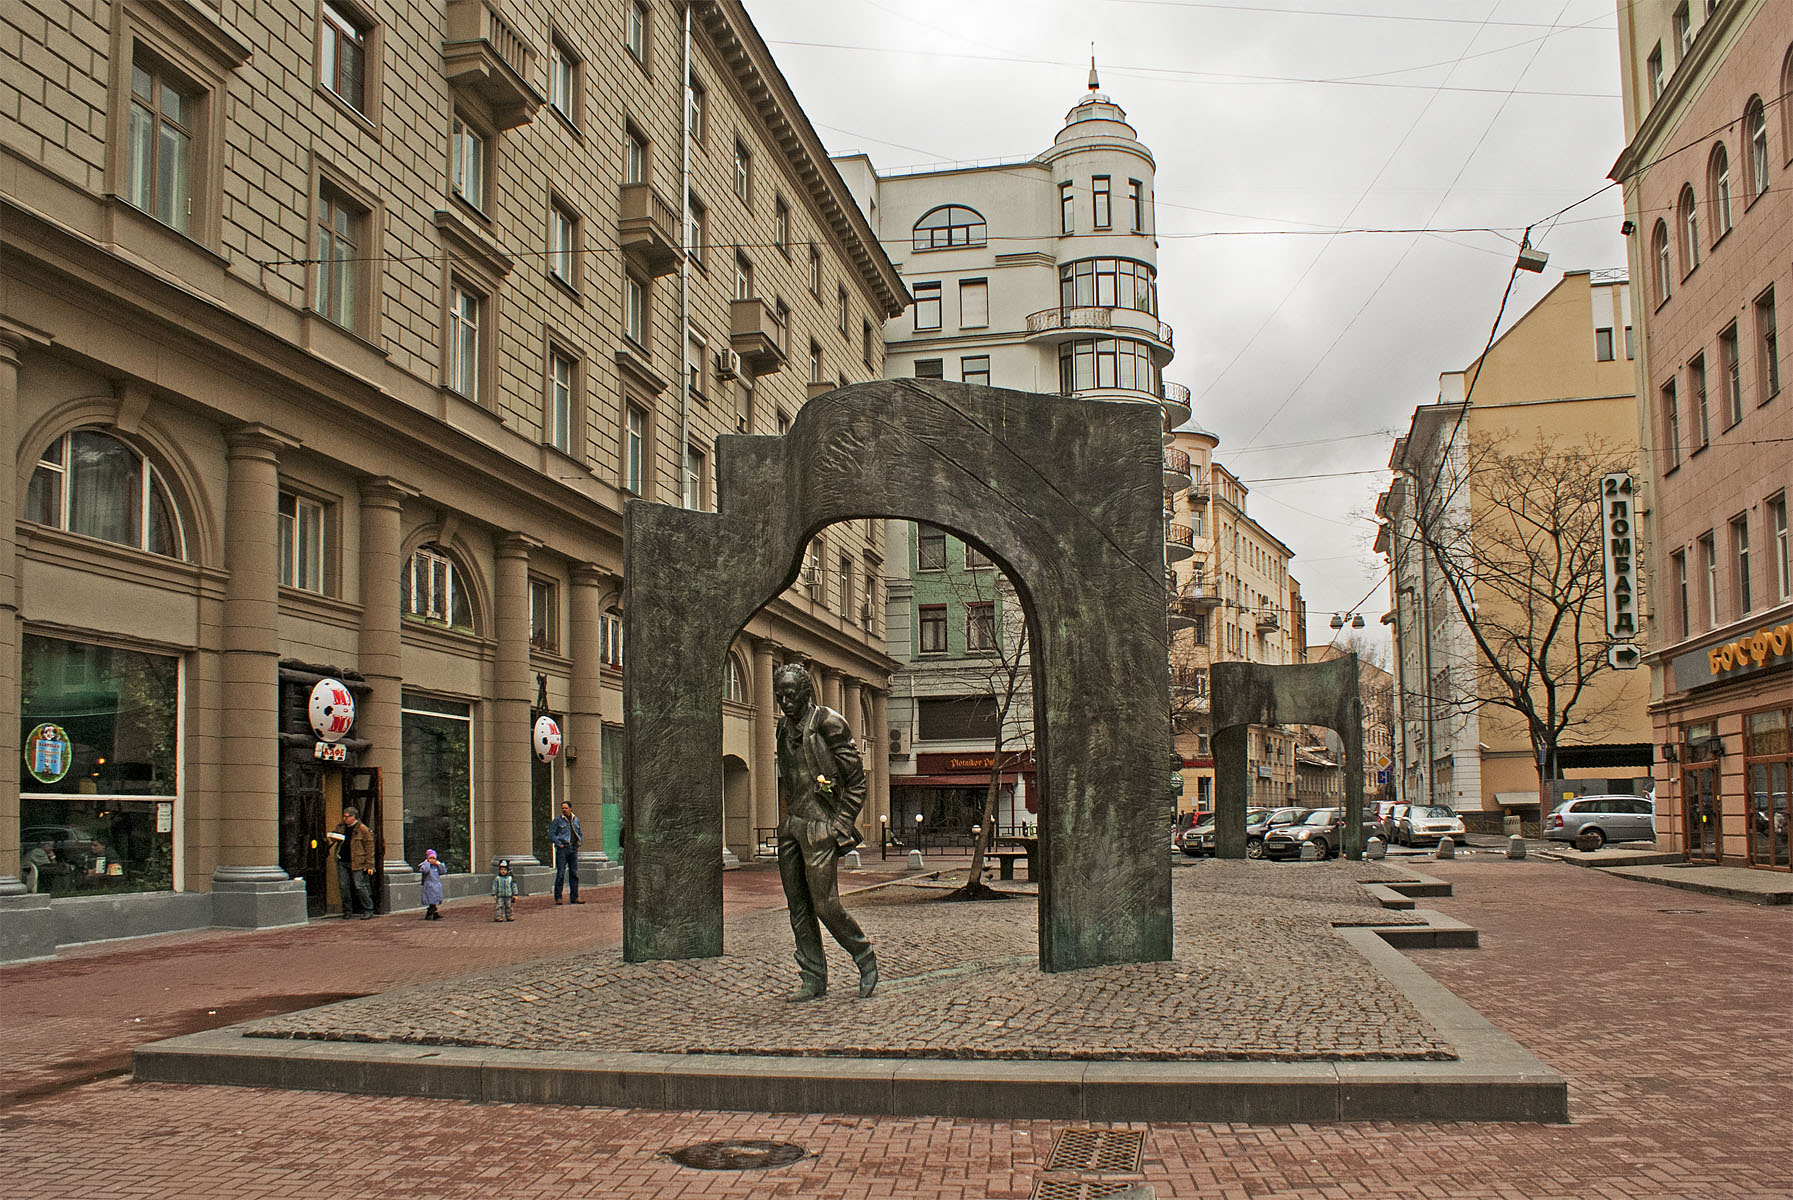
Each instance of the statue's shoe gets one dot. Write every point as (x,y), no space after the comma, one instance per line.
(807,990)
(868,978)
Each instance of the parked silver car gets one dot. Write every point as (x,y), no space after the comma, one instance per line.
(1604,818)
(1424,824)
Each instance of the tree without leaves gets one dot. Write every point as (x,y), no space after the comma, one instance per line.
(1522,563)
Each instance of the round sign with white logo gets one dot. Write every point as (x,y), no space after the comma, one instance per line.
(332,710)
(546,738)
(49,753)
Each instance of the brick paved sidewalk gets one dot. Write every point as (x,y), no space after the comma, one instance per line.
(1673,1028)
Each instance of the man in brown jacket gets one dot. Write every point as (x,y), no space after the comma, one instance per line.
(354,864)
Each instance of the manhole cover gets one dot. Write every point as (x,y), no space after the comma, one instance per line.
(1087,1189)
(736,1156)
(1097,1150)
(1680,912)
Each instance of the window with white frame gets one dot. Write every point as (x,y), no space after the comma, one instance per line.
(1768,349)
(1718,185)
(544,614)
(734,686)
(1755,139)
(301,523)
(634,449)
(694,229)
(1702,412)
(562,371)
(1730,373)
(563,78)
(1778,547)
(430,589)
(1661,262)
(1067,209)
(341,229)
(743,276)
(563,231)
(96,485)
(815,271)
(815,362)
(1740,564)
(927,306)
(635,30)
(635,310)
(1099,202)
(1709,565)
(743,172)
(634,155)
(694,478)
(342,54)
(697,107)
(467,162)
(164,121)
(610,638)
(949,226)
(464,310)
(843,317)
(1136,200)
(781,225)
(1687,215)
(975,368)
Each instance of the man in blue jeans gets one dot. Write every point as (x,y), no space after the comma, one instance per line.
(563,831)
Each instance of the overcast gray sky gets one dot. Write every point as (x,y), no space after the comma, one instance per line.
(1305,352)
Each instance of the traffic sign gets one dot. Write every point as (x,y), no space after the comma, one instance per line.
(1623,657)
(1382,761)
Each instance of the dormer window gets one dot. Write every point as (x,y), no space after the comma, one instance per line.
(950,226)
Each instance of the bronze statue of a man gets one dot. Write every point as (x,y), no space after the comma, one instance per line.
(823,783)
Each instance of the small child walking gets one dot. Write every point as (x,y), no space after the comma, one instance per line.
(504,890)
(430,873)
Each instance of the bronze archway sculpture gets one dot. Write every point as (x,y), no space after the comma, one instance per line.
(1065,494)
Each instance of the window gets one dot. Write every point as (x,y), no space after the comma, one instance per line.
(865,341)
(781,325)
(697,105)
(931,624)
(927,306)
(1671,424)
(1683,32)
(1654,69)
(781,226)
(952,718)
(543,614)
(635,310)
(1730,372)
(635,31)
(163,123)
(1136,199)
(634,156)
(1740,562)
(815,271)
(1067,209)
(1630,354)
(1709,563)
(694,230)
(1682,613)
(845,577)
(1687,220)
(610,638)
(1603,345)
(930,548)
(975,369)
(1755,137)
(1099,201)
(340,226)
(974,304)
(1768,350)
(812,573)
(930,368)
(949,226)
(694,478)
(734,685)
(844,316)
(634,448)
(91,483)
(1087,364)
(563,229)
(342,54)
(558,417)
(980,626)
(563,79)
(743,172)
(301,543)
(1718,183)
(1777,533)
(464,306)
(975,560)
(467,163)
(815,362)
(1108,283)
(696,362)
(1661,264)
(1696,383)
(430,589)
(743,277)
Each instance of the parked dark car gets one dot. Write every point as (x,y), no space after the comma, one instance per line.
(1255,831)
(1321,828)
(1198,839)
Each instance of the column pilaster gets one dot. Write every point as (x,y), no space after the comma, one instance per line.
(511,769)
(585,718)
(877,801)
(12,346)
(379,717)
(765,739)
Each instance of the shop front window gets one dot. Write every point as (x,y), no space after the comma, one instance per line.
(99,730)
(1768,764)
(438,753)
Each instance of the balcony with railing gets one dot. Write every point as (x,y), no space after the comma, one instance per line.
(1176,403)
(1176,469)
(754,335)
(1267,622)
(1054,325)
(482,53)
(647,227)
(1179,541)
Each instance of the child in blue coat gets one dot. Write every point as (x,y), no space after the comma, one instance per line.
(504,890)
(431,871)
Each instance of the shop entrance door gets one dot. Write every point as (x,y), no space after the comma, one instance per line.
(1700,814)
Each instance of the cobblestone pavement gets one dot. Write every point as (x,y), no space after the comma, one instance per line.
(1257,975)
(1672,1027)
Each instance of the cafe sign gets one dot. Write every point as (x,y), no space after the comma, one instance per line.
(1619,542)
(1767,647)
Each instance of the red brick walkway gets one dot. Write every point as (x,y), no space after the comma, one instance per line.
(1675,1030)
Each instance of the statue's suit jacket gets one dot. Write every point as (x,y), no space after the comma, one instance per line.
(819,743)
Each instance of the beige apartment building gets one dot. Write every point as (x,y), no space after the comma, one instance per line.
(1560,376)
(1708,178)
(333,341)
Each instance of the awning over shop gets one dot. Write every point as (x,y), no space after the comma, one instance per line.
(1612,754)
(1008,777)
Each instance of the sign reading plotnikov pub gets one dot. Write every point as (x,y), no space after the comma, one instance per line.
(1758,651)
(965,762)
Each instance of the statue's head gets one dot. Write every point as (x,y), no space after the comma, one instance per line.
(791,689)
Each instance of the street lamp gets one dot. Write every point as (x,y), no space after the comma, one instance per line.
(883,835)
(918,831)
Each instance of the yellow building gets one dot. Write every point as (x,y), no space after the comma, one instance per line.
(1560,377)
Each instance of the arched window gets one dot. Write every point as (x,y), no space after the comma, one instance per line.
(1755,141)
(430,588)
(734,684)
(1687,221)
(1718,185)
(610,638)
(1660,262)
(92,483)
(1787,105)
(948,226)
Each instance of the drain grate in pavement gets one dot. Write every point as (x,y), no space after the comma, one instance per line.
(1680,912)
(735,1155)
(1087,1189)
(1097,1150)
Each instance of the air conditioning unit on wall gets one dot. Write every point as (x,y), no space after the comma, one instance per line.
(898,747)
(728,364)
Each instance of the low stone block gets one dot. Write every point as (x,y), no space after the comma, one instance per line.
(1515,847)
(1446,849)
